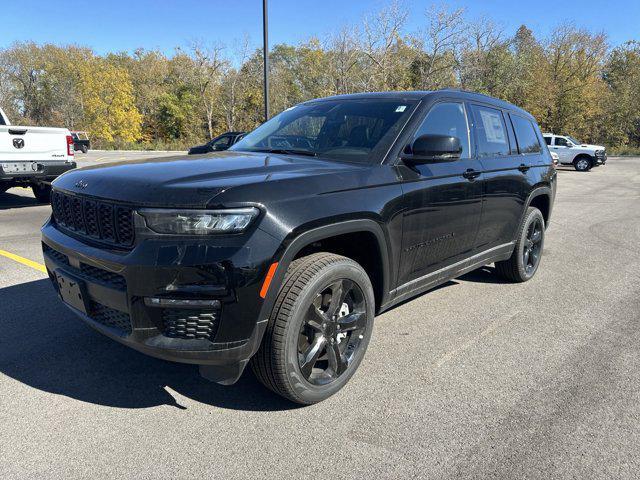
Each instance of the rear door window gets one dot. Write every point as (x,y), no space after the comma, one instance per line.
(525,135)
(491,131)
(547,140)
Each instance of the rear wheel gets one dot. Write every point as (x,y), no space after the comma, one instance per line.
(319,329)
(42,192)
(582,163)
(527,253)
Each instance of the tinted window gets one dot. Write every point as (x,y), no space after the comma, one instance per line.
(353,130)
(547,140)
(525,135)
(221,142)
(561,142)
(447,119)
(491,132)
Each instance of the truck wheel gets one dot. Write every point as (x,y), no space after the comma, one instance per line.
(527,253)
(42,192)
(319,329)
(582,163)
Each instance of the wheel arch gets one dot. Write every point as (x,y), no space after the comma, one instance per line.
(591,158)
(305,242)
(541,198)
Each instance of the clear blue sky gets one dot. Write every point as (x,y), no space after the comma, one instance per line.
(120,25)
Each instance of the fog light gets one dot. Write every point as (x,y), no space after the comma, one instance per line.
(180,302)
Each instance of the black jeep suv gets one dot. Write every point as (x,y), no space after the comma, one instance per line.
(280,251)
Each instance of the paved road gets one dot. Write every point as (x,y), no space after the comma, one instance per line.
(475,379)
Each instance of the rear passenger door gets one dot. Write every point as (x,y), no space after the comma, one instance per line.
(504,176)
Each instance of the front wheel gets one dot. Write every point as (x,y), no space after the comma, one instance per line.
(42,192)
(319,329)
(527,253)
(582,164)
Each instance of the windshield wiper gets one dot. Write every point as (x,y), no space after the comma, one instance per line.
(286,151)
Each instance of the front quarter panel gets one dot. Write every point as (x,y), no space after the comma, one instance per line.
(364,199)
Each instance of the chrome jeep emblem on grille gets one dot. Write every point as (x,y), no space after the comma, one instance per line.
(18,142)
(81,184)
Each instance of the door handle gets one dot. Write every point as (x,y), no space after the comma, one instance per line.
(471,174)
(524,168)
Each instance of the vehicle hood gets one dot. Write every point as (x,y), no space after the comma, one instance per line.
(591,147)
(195,181)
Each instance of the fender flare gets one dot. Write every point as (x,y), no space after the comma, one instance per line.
(538,192)
(293,247)
(583,154)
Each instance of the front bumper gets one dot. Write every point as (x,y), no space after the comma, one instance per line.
(40,171)
(601,158)
(115,284)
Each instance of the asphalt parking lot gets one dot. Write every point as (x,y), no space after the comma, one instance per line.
(475,379)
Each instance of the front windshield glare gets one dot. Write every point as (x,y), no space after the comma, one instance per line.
(351,130)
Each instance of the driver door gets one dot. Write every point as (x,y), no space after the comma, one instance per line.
(563,148)
(442,201)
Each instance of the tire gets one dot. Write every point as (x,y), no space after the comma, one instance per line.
(42,192)
(300,326)
(526,256)
(4,188)
(583,163)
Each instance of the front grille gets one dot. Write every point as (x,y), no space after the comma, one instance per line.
(97,220)
(110,317)
(190,324)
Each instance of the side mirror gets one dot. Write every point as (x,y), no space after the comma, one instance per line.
(433,149)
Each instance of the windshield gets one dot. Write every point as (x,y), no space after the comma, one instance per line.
(573,140)
(351,130)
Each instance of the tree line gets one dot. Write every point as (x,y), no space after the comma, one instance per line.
(572,81)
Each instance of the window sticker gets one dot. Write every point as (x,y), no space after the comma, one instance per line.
(401,108)
(493,127)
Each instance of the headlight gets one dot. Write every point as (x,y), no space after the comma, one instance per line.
(198,222)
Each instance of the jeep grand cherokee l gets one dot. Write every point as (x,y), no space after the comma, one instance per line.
(280,251)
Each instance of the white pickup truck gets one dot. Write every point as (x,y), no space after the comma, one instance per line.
(33,157)
(570,151)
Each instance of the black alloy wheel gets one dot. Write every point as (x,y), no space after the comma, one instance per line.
(533,246)
(332,332)
(527,251)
